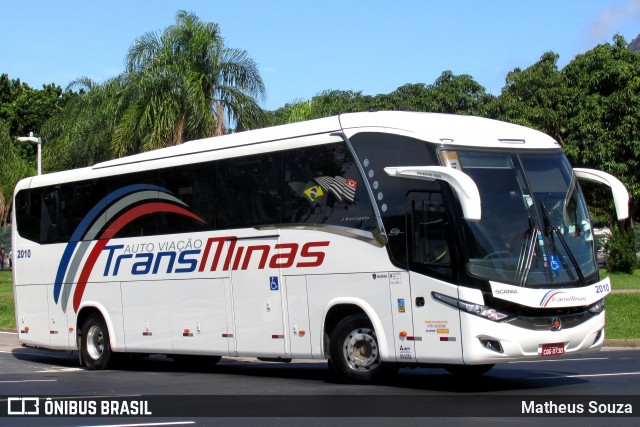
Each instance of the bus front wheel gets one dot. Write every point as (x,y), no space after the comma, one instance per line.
(354,351)
(95,346)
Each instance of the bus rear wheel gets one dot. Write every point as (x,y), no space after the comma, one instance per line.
(95,346)
(354,351)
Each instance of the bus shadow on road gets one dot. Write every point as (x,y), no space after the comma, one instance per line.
(499,379)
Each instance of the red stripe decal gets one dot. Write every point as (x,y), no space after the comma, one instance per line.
(118,224)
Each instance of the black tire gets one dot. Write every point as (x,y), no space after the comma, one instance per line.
(354,352)
(95,346)
(468,370)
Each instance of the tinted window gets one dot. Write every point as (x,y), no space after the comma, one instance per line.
(323,186)
(28,214)
(76,200)
(430,235)
(316,185)
(49,223)
(249,191)
(377,151)
(195,186)
(144,225)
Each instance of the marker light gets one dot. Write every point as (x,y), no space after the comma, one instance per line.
(472,308)
(403,334)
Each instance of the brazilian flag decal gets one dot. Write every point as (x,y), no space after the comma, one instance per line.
(311,192)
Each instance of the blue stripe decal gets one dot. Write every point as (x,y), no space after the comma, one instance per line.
(84,226)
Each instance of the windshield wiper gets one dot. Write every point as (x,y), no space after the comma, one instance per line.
(549,230)
(528,244)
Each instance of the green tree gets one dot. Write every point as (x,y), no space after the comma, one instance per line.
(457,95)
(603,113)
(81,134)
(621,252)
(26,109)
(12,169)
(179,85)
(448,94)
(534,97)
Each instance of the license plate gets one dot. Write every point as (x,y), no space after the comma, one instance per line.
(552,349)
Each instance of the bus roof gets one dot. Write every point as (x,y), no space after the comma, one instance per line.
(452,129)
(445,129)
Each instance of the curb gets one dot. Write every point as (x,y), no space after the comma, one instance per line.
(628,343)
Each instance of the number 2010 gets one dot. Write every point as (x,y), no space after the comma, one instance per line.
(24,253)
(602,288)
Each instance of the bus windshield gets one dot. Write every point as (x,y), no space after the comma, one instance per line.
(535,229)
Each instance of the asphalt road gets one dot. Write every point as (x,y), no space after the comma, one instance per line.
(240,387)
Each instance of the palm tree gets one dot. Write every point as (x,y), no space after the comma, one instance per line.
(12,169)
(181,85)
(81,134)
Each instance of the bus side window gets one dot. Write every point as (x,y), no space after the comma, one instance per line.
(28,214)
(249,191)
(323,186)
(49,225)
(195,185)
(76,200)
(430,247)
(146,225)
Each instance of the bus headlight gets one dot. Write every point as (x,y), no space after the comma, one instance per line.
(597,308)
(472,308)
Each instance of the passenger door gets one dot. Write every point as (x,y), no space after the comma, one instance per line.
(431,262)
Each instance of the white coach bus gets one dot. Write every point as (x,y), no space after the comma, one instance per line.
(375,240)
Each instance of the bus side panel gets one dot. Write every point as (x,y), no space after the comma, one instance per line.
(402,313)
(298,317)
(369,291)
(199,316)
(33,315)
(106,297)
(147,316)
(436,325)
(58,324)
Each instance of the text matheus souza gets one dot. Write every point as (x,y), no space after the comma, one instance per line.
(593,407)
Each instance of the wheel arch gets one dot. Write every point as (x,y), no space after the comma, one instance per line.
(90,307)
(339,308)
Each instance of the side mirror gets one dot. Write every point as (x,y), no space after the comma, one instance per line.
(620,194)
(462,184)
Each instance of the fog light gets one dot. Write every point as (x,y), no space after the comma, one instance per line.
(493,345)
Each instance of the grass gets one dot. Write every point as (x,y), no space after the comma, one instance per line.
(7,317)
(623,310)
(623,316)
(623,281)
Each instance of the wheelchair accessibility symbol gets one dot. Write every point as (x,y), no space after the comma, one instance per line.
(555,262)
(273,283)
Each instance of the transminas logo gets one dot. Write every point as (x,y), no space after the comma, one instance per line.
(177,255)
(103,222)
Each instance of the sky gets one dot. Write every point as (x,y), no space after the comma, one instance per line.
(305,47)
